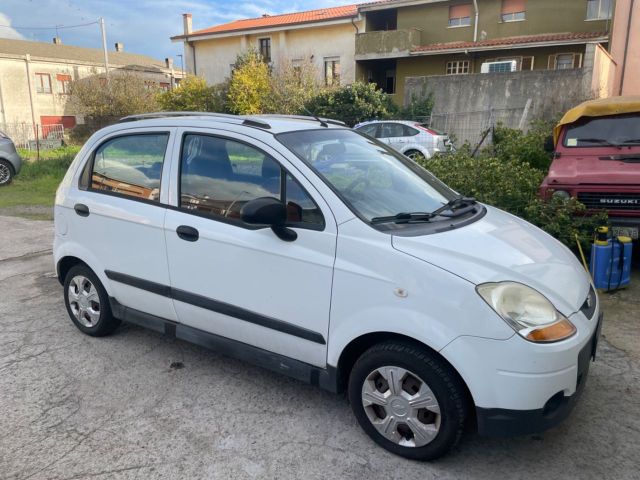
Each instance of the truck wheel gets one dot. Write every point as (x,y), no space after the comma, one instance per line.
(408,400)
(87,302)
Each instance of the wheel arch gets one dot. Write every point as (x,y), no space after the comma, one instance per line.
(352,351)
(416,148)
(67,263)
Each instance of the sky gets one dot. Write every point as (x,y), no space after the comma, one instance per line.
(144,26)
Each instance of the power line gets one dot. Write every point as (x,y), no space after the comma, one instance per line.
(57,27)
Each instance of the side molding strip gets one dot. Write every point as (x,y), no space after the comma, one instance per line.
(326,379)
(216,306)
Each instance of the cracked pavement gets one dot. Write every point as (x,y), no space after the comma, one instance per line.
(74,407)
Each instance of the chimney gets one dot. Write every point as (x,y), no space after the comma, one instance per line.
(168,62)
(265,15)
(119,47)
(57,41)
(187,23)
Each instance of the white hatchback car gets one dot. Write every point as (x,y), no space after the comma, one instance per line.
(305,247)
(413,139)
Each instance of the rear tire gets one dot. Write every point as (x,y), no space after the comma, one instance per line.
(416,155)
(6,173)
(87,302)
(408,400)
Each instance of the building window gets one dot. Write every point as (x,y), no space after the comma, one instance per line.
(64,84)
(460,15)
(265,49)
(458,67)
(166,86)
(43,83)
(522,63)
(598,9)
(513,10)
(390,82)
(332,71)
(565,61)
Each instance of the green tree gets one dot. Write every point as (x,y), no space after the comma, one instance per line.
(292,86)
(250,85)
(352,103)
(193,94)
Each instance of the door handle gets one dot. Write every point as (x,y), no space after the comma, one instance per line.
(81,209)
(187,233)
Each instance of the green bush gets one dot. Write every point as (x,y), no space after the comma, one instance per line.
(194,95)
(512,185)
(514,144)
(418,109)
(352,104)
(250,85)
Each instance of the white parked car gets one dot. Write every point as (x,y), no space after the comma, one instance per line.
(413,139)
(307,248)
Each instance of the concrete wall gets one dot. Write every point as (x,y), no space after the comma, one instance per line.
(214,57)
(627,79)
(604,73)
(15,106)
(552,91)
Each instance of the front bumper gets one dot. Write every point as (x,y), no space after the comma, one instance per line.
(498,422)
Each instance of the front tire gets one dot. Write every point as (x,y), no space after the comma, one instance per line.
(6,173)
(87,302)
(408,400)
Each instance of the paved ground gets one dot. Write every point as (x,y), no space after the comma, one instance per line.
(73,407)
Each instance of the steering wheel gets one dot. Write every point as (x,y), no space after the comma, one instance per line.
(355,183)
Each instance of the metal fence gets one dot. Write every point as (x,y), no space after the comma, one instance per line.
(24,135)
(473,126)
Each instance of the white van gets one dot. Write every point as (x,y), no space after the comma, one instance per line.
(305,247)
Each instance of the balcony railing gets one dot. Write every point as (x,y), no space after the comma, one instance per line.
(386,44)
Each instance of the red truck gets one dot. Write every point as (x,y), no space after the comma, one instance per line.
(596,159)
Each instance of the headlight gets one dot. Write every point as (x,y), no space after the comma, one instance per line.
(527,311)
(562,194)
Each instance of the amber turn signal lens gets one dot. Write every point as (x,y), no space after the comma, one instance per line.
(558,331)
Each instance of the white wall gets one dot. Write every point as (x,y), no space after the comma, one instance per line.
(214,57)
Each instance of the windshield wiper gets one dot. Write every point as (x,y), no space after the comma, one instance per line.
(416,217)
(601,141)
(632,141)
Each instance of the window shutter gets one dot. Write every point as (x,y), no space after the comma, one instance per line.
(551,65)
(63,78)
(527,63)
(513,6)
(577,60)
(460,11)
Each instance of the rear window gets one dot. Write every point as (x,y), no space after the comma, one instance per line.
(618,130)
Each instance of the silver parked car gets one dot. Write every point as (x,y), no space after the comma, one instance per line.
(413,139)
(10,161)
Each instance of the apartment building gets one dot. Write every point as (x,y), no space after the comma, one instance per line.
(323,38)
(35,79)
(408,38)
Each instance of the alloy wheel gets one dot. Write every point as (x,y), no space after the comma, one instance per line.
(5,174)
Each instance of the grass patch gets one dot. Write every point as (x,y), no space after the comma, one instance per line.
(37,182)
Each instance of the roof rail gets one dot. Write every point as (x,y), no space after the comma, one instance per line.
(303,117)
(251,122)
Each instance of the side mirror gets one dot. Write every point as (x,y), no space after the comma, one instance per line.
(549,144)
(270,212)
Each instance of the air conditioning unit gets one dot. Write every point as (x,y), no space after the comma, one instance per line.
(499,67)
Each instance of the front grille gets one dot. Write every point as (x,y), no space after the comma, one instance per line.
(610,200)
(588,308)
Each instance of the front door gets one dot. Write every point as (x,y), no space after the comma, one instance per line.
(242,282)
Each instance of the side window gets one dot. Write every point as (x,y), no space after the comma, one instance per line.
(390,130)
(218,176)
(409,131)
(130,165)
(369,129)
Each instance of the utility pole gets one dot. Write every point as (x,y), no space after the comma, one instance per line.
(104,48)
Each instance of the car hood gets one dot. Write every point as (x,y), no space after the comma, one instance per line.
(502,247)
(605,168)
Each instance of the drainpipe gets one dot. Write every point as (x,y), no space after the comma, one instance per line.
(475,26)
(626,49)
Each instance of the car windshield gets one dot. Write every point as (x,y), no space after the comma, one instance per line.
(372,179)
(618,130)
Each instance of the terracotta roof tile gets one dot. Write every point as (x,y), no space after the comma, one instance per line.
(320,15)
(508,41)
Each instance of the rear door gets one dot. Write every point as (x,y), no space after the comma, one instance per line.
(392,134)
(239,281)
(118,217)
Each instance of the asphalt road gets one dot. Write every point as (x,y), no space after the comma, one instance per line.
(73,407)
